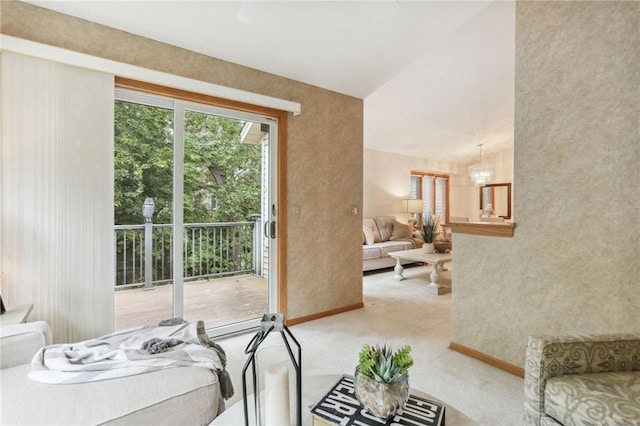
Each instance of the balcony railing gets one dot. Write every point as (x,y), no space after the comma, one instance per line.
(209,250)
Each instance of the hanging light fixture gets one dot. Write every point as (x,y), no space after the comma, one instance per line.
(481,174)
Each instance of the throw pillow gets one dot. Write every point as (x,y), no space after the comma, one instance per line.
(368,235)
(400,231)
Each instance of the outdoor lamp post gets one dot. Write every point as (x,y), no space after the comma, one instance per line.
(276,380)
(147,211)
(148,208)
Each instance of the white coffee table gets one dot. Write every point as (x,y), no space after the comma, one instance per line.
(417,255)
(313,388)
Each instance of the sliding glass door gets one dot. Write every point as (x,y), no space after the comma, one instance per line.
(208,175)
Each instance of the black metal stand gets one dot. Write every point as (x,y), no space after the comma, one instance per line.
(269,323)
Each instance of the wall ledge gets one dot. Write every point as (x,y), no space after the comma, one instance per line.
(486,229)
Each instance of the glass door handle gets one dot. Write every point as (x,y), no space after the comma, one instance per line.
(270,230)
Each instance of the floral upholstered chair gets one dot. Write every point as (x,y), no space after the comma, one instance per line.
(583,380)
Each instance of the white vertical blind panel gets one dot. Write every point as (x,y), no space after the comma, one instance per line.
(441,198)
(427,195)
(415,187)
(57,194)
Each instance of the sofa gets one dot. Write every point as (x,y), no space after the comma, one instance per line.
(172,396)
(582,380)
(382,235)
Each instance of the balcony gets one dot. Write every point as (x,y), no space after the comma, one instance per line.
(217,302)
(224,281)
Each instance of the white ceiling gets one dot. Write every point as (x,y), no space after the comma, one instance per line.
(437,77)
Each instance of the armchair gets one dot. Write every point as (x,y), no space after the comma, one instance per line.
(582,380)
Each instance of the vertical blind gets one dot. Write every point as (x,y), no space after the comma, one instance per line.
(57,194)
(433,192)
(440,207)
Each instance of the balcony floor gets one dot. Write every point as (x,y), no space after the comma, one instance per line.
(217,302)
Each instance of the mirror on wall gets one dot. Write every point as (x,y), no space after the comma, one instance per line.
(499,196)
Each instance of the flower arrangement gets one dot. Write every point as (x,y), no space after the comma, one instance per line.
(430,225)
(382,364)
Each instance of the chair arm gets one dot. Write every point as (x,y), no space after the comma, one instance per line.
(20,342)
(554,356)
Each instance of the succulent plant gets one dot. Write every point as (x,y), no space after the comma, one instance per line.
(382,364)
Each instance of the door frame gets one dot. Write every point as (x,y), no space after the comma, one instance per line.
(280,160)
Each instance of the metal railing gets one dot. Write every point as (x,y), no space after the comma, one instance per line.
(209,250)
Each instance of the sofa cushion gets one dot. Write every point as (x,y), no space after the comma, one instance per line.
(594,399)
(371,252)
(371,225)
(385,226)
(172,396)
(389,246)
(400,231)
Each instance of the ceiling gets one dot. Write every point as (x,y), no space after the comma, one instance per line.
(437,78)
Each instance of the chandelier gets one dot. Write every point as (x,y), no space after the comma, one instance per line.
(481,174)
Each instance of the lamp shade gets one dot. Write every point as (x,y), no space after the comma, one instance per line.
(412,206)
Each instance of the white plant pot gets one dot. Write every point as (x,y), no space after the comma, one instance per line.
(428,248)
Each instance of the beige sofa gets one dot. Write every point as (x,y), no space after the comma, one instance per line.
(382,235)
(173,396)
(582,380)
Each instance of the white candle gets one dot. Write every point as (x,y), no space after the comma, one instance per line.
(276,388)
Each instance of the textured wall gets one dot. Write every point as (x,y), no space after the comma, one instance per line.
(573,263)
(324,151)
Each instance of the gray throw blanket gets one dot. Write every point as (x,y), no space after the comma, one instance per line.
(126,353)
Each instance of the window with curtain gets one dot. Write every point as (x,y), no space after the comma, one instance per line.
(434,191)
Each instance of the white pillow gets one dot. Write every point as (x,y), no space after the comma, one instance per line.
(368,235)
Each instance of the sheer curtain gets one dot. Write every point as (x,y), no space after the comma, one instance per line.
(57,194)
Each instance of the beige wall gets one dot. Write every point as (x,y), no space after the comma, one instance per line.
(573,263)
(324,150)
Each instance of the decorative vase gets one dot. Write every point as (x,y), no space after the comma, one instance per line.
(381,399)
(428,248)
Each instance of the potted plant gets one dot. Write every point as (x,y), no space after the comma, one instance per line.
(430,225)
(381,380)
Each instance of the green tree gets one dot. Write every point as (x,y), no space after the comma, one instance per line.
(143,160)
(221,174)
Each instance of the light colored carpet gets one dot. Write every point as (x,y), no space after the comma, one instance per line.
(399,313)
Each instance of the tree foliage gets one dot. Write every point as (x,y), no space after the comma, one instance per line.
(221,174)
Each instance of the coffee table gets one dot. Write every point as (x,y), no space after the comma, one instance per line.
(417,255)
(313,388)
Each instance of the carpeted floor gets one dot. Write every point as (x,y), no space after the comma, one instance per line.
(399,313)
